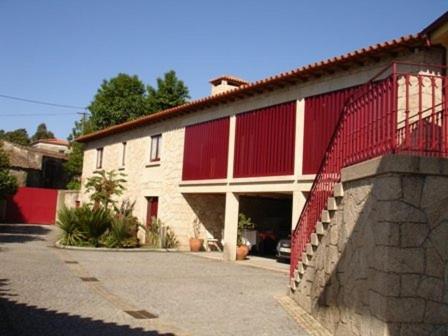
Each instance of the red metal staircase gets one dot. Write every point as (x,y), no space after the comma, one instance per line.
(403,109)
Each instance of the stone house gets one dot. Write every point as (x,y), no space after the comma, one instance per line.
(307,151)
(247,145)
(34,166)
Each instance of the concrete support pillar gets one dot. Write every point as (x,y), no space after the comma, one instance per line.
(231,226)
(231,150)
(298,201)
(298,148)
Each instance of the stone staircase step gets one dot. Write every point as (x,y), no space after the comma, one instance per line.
(331,204)
(314,239)
(309,249)
(305,259)
(338,190)
(301,268)
(321,228)
(325,216)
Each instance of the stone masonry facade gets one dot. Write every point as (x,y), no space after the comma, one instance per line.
(382,267)
(164,179)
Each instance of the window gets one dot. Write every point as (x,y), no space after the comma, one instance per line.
(156,143)
(99,158)
(123,154)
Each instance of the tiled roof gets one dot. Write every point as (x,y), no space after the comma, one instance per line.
(282,79)
(54,141)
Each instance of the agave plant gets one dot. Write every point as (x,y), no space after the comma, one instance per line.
(68,222)
(122,233)
(94,222)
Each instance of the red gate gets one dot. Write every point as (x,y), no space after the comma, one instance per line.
(32,206)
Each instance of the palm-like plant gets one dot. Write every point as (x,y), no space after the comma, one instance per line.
(68,222)
(94,222)
(104,185)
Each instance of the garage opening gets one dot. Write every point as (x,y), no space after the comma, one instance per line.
(272,215)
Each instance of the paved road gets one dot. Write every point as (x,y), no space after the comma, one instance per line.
(41,292)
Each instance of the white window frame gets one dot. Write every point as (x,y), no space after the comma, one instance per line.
(124,145)
(155,148)
(99,157)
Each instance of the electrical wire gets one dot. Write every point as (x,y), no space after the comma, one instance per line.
(36,114)
(26,100)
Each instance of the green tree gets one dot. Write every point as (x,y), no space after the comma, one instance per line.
(42,133)
(8,183)
(104,186)
(170,92)
(73,166)
(18,136)
(119,99)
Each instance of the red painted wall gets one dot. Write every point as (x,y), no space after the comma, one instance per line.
(32,206)
(206,150)
(264,141)
(321,116)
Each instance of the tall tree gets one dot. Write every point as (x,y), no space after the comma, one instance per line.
(170,92)
(8,183)
(73,166)
(119,99)
(18,136)
(42,133)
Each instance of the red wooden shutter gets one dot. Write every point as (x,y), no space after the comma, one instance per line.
(265,141)
(206,150)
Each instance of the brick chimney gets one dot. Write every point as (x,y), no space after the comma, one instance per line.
(226,83)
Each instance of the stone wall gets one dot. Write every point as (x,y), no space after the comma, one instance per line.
(382,267)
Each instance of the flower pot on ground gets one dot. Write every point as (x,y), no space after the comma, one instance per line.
(241,252)
(243,245)
(196,242)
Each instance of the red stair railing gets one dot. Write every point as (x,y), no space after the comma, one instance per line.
(401,110)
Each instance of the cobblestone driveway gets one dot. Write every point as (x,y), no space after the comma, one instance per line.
(42,294)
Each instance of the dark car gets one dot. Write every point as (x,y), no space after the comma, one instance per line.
(284,249)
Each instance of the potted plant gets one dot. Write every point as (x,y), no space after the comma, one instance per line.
(196,242)
(242,249)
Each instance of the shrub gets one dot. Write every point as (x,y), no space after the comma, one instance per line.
(94,222)
(159,235)
(121,234)
(68,222)
(170,240)
(124,227)
(153,233)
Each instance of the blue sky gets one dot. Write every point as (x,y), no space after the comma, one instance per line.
(60,51)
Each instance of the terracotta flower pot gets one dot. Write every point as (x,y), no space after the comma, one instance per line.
(196,244)
(241,252)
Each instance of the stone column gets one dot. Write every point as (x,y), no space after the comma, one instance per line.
(298,146)
(230,226)
(298,201)
(231,150)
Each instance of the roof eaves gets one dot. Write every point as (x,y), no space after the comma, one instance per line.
(243,90)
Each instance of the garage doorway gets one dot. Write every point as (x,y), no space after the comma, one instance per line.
(272,215)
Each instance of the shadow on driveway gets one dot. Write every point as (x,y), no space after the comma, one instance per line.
(22,319)
(20,233)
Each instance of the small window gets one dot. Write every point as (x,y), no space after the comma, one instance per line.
(156,143)
(99,158)
(123,154)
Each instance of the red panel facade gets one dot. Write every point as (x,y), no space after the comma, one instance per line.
(32,206)
(205,150)
(321,116)
(264,141)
